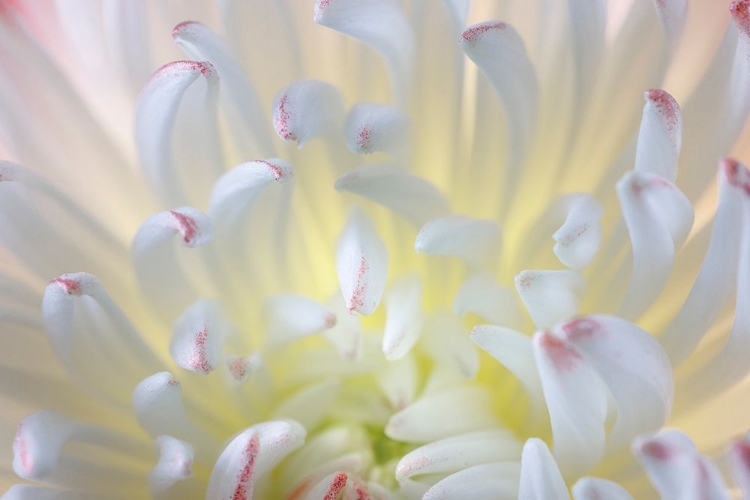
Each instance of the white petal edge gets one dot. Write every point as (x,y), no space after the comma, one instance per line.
(198,337)
(200,42)
(499,52)
(550,296)
(540,476)
(403,324)
(292,317)
(633,366)
(409,196)
(251,455)
(156,111)
(442,414)
(716,278)
(361,265)
(482,295)
(175,464)
(328,487)
(458,452)
(474,240)
(660,136)
(380,24)
(577,402)
(492,480)
(236,191)
(677,469)
(594,488)
(514,351)
(371,127)
(305,110)
(579,237)
(659,218)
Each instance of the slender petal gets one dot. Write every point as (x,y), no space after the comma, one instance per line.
(249,456)
(155,121)
(500,53)
(362,265)
(540,477)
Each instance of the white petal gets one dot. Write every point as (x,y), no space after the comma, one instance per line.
(403,322)
(175,464)
(381,24)
(155,119)
(660,136)
(361,264)
(438,415)
(198,337)
(157,267)
(739,459)
(58,307)
(324,449)
(481,294)
(291,317)
(593,488)
(459,452)
(38,442)
(540,477)
(677,469)
(306,109)
(157,402)
(458,10)
(242,104)
(373,127)
(448,344)
(126,31)
(411,197)
(328,487)
(634,368)
(578,239)
(310,405)
(672,15)
(40,452)
(346,334)
(659,218)
(251,455)
(577,402)
(76,305)
(493,480)
(475,240)
(588,21)
(28,492)
(236,191)
(241,367)
(398,381)
(192,225)
(720,102)
(500,53)
(716,279)
(728,366)
(550,296)
(514,351)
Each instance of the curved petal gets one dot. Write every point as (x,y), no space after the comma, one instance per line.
(251,455)
(155,119)
(540,477)
(307,109)
(373,127)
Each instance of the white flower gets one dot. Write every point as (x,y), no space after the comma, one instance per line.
(459,269)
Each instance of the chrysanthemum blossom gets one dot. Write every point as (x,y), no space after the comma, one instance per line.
(360,249)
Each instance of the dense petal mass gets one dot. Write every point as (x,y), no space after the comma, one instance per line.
(374,250)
